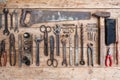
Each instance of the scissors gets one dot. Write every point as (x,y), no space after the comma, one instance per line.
(108,58)
(52,62)
(45,29)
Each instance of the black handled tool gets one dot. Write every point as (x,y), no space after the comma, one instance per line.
(12,50)
(6,31)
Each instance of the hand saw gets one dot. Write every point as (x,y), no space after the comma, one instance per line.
(40,16)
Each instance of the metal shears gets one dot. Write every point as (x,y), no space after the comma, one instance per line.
(45,29)
(52,61)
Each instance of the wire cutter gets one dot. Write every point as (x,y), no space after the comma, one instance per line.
(108,59)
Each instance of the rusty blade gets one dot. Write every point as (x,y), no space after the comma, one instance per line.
(64,15)
(40,16)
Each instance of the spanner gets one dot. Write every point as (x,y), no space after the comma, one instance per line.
(76,46)
(82,61)
(64,41)
(15,12)
(11,19)
(1,21)
(6,31)
(38,40)
(57,30)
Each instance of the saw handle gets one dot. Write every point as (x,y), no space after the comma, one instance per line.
(25,12)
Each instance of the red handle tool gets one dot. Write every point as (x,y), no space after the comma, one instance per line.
(108,59)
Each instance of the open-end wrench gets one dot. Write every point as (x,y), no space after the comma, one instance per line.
(38,40)
(1,21)
(64,41)
(76,47)
(57,30)
(15,12)
(11,19)
(6,31)
(82,61)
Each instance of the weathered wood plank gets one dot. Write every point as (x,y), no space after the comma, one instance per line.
(63,4)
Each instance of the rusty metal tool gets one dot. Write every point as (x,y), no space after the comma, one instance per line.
(117,42)
(1,20)
(38,40)
(39,16)
(64,42)
(70,47)
(45,29)
(12,50)
(15,12)
(11,20)
(52,61)
(27,48)
(76,46)
(20,50)
(6,31)
(3,54)
(100,16)
(82,61)
(57,30)
(90,54)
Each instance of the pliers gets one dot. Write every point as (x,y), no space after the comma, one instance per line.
(90,54)
(3,53)
(108,58)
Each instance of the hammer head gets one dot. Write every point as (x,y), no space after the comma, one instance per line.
(101,14)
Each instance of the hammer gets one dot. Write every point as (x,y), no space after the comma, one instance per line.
(100,16)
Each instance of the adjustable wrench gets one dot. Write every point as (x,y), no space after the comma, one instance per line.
(5,11)
(64,41)
(38,40)
(76,47)
(57,30)
(82,62)
(15,12)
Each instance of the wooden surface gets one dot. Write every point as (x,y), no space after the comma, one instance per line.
(43,72)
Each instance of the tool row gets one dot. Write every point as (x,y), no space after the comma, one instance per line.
(25,48)
(39,16)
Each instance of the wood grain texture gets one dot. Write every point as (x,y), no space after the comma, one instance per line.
(43,72)
(63,4)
